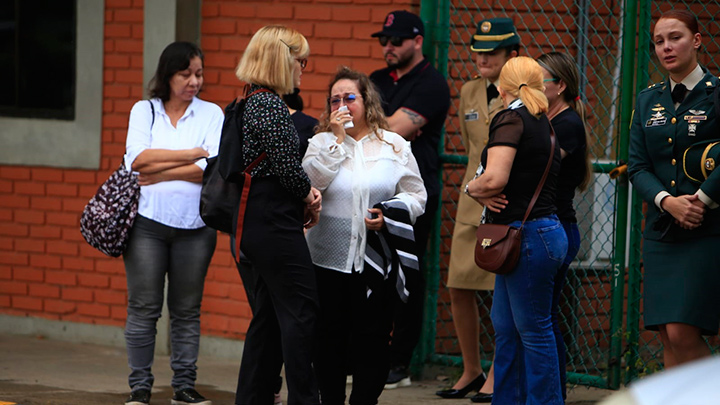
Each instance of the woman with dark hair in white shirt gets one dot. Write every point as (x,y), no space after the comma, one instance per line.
(167,139)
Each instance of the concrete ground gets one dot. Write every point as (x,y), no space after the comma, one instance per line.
(35,371)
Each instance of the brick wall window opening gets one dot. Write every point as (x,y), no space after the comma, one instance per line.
(37,58)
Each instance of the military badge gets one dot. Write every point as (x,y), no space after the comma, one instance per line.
(656,120)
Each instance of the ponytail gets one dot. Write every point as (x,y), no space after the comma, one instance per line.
(579,108)
(521,77)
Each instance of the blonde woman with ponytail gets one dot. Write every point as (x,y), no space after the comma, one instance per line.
(513,162)
(566,113)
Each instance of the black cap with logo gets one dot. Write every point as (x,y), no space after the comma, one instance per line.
(402,24)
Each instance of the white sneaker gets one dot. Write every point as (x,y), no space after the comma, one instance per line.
(404,382)
(398,377)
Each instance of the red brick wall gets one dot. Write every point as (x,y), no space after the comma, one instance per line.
(46,268)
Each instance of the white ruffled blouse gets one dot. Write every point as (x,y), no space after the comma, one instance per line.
(353,177)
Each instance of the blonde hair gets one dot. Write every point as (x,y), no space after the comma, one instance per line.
(522,77)
(269,59)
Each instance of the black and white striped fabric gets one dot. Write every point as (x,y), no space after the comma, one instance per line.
(391,249)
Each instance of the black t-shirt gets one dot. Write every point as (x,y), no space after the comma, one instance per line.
(570,133)
(305,126)
(517,128)
(425,91)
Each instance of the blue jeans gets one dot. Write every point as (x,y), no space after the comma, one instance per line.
(573,237)
(155,250)
(526,359)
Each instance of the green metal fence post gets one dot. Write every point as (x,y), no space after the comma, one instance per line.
(622,192)
(634,272)
(435,16)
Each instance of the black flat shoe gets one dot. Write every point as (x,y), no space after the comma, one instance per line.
(481,398)
(452,393)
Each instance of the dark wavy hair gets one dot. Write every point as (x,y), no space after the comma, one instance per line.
(174,58)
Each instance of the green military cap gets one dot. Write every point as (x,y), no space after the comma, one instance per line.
(700,159)
(494,33)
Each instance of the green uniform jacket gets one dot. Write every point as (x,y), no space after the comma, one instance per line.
(659,136)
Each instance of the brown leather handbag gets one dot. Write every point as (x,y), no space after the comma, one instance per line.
(497,248)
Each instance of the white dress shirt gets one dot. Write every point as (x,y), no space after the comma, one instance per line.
(173,203)
(353,177)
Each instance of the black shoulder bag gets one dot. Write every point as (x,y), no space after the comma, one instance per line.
(226,184)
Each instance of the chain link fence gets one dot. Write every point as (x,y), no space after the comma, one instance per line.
(600,319)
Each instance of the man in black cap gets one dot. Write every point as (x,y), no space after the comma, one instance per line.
(416,99)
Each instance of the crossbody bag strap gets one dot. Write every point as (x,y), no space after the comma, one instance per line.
(544,177)
(245,192)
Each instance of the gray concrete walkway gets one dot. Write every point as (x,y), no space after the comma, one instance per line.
(34,371)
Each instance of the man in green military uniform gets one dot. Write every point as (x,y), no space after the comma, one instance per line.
(494,43)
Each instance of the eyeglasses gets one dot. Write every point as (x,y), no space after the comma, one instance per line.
(551,80)
(303,62)
(348,99)
(395,41)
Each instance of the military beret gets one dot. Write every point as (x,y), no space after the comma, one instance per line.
(700,159)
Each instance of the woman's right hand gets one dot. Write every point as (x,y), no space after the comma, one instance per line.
(314,200)
(687,210)
(337,123)
(495,203)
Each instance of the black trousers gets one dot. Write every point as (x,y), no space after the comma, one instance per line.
(247,274)
(354,333)
(408,316)
(285,306)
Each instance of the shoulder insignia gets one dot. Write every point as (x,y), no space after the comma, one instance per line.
(708,83)
(476,77)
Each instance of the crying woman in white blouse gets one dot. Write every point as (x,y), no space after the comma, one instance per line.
(355,167)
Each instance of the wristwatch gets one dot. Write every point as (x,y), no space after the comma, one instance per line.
(467,190)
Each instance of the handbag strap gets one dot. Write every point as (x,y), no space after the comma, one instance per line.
(544,177)
(245,192)
(152,111)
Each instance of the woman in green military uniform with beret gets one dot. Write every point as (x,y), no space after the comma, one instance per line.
(681,289)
